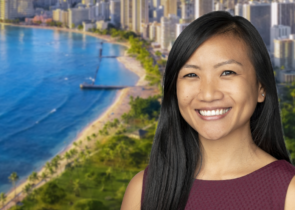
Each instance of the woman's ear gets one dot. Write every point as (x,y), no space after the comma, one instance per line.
(261,94)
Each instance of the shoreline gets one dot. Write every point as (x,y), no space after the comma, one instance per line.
(119,106)
(108,38)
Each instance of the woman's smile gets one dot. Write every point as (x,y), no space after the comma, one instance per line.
(213,114)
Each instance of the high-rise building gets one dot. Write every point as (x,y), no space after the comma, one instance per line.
(45,3)
(153,31)
(282,13)
(278,31)
(115,11)
(5,9)
(155,4)
(100,11)
(168,31)
(231,4)
(25,8)
(139,14)
(203,7)
(187,11)
(12,9)
(239,9)
(157,14)
(259,15)
(283,52)
(61,16)
(170,7)
(77,16)
(133,14)
(126,14)
(218,6)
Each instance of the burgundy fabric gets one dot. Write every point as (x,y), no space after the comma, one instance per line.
(264,188)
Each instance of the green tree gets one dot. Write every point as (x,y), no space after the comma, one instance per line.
(67,156)
(13,178)
(158,53)
(33,177)
(52,193)
(51,171)
(89,204)
(80,27)
(2,198)
(77,187)
(56,162)
(27,189)
(73,152)
(44,176)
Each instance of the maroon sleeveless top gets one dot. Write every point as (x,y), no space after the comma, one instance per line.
(265,188)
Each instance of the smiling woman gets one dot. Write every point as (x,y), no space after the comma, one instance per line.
(219,142)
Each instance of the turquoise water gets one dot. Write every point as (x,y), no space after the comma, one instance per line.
(42,108)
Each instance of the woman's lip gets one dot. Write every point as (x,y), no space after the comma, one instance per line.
(216,117)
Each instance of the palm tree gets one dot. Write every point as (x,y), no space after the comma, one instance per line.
(77,187)
(73,152)
(27,189)
(82,156)
(80,144)
(47,166)
(88,138)
(33,177)
(13,178)
(44,176)
(55,162)
(2,198)
(51,171)
(68,156)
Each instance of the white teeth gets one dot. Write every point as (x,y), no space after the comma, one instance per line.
(214,112)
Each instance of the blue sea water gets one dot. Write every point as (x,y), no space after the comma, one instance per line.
(42,108)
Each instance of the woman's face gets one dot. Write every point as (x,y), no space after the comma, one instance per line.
(217,76)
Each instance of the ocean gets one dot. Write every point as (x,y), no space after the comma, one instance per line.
(42,108)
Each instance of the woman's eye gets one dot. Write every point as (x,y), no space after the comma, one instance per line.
(189,75)
(228,71)
(192,74)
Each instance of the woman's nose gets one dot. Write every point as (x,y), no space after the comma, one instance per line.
(209,91)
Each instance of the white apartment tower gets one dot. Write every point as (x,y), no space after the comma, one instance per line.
(239,9)
(203,7)
(126,14)
(283,13)
(133,14)
(168,31)
(140,14)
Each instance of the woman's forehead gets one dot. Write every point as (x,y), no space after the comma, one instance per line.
(220,48)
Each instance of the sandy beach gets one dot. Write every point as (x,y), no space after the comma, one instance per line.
(119,107)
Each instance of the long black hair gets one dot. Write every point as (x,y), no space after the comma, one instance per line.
(176,148)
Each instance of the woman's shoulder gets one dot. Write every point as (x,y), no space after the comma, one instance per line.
(132,196)
(284,174)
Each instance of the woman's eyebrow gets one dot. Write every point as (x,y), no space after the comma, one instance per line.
(215,66)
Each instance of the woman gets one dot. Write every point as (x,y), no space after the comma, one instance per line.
(233,157)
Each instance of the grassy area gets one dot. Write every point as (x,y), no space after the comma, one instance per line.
(100,178)
(88,180)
